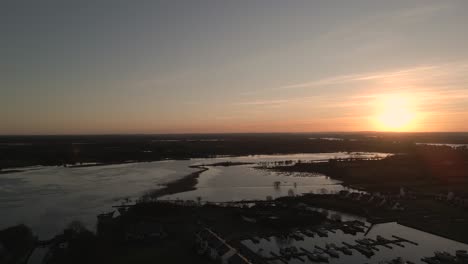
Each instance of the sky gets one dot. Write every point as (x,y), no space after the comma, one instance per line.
(125,67)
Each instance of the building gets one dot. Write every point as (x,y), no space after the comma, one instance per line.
(145,232)
(212,245)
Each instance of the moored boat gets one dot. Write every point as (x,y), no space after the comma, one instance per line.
(462,254)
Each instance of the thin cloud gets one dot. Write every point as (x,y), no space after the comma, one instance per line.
(360,77)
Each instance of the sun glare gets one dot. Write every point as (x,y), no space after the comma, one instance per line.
(395,113)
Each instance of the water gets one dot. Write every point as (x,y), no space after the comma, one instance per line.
(444,144)
(246,182)
(48,198)
(220,184)
(428,244)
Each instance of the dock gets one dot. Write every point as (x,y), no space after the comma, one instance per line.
(284,258)
(381,241)
(361,249)
(405,240)
(277,257)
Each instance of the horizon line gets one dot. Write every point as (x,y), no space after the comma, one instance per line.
(230,133)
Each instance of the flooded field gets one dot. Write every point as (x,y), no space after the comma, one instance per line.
(48,198)
(444,144)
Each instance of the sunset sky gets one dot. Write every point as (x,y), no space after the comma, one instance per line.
(86,67)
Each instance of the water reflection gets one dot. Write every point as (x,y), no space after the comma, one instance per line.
(245,182)
(48,198)
(427,245)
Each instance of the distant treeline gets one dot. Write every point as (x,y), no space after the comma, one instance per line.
(19,151)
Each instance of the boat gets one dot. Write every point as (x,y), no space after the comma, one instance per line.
(288,251)
(296,235)
(364,250)
(278,257)
(444,256)
(328,250)
(256,240)
(321,232)
(348,230)
(293,250)
(431,261)
(358,229)
(345,250)
(313,257)
(201,250)
(310,255)
(322,257)
(462,254)
(320,254)
(333,253)
(357,222)
(330,245)
(122,210)
(364,241)
(382,239)
(399,244)
(308,233)
(398,260)
(405,240)
(105,216)
(285,253)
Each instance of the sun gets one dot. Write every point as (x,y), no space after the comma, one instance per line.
(395,112)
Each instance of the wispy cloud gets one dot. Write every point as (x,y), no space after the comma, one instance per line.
(342,79)
(434,91)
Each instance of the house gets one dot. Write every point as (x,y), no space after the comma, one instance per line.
(145,232)
(238,259)
(210,244)
(3,251)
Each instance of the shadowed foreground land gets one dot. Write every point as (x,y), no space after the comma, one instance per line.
(118,241)
(129,237)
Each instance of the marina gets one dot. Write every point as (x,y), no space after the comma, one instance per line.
(384,243)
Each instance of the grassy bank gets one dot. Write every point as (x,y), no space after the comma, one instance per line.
(184,184)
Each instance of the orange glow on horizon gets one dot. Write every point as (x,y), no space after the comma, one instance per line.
(396,112)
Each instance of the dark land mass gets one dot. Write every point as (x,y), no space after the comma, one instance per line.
(21,151)
(17,242)
(9,171)
(184,184)
(428,169)
(125,238)
(128,237)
